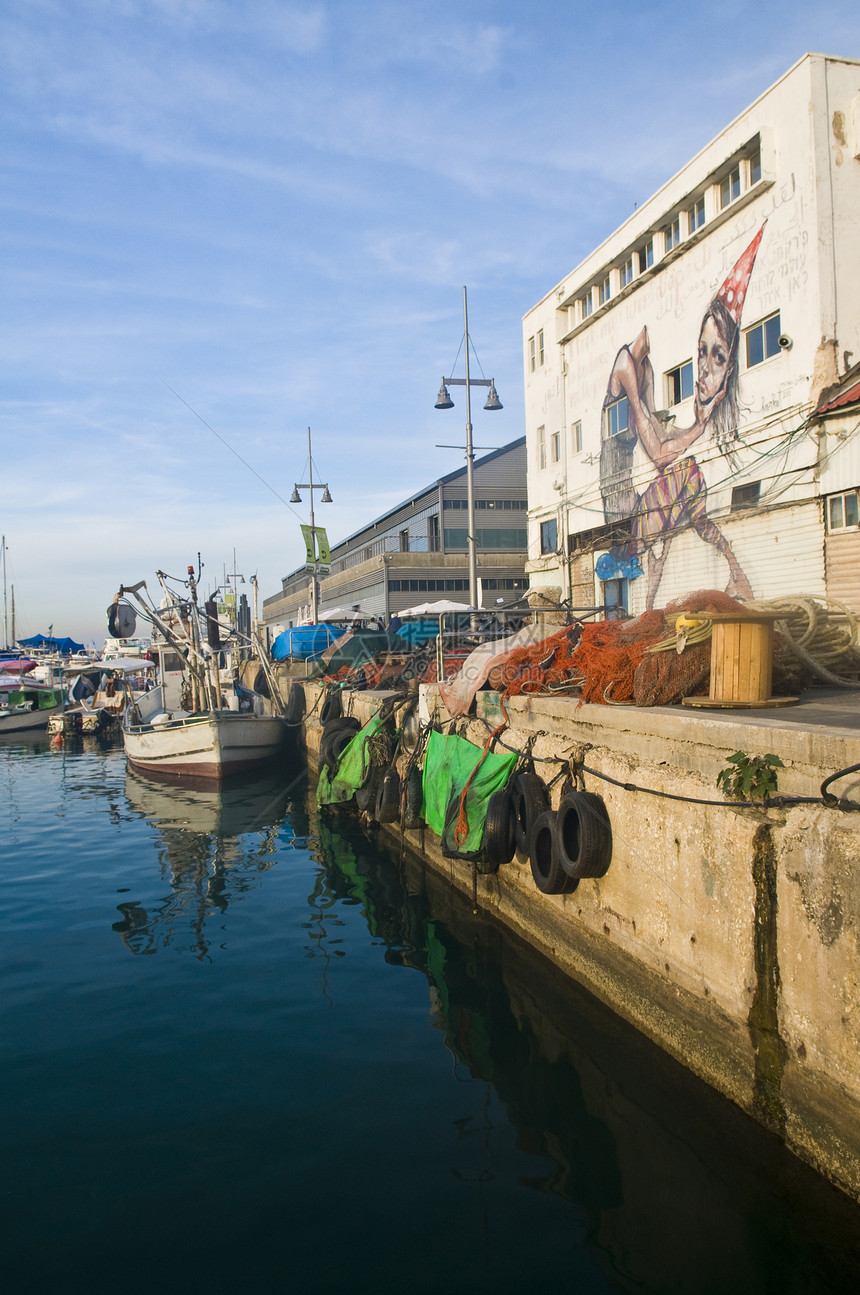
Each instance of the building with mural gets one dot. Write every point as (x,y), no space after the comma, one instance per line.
(693,386)
(417,552)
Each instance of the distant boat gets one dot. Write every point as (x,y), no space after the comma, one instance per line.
(219,728)
(26,703)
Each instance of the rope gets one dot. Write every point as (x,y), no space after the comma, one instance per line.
(461,831)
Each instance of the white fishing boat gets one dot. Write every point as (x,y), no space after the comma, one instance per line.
(26,703)
(219,727)
(98,693)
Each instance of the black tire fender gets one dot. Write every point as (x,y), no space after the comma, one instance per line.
(332,707)
(413,793)
(388,798)
(336,736)
(548,874)
(583,835)
(530,798)
(500,841)
(295,709)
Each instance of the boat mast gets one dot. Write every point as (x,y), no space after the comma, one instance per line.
(5,610)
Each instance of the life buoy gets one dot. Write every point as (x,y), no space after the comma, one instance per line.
(500,839)
(548,874)
(530,799)
(583,835)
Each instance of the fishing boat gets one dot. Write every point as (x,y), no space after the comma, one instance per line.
(215,727)
(26,703)
(98,693)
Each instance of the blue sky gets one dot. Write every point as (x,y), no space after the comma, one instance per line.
(271,210)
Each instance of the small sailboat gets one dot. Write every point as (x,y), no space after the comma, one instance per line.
(215,726)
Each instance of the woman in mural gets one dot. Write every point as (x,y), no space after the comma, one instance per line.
(677,497)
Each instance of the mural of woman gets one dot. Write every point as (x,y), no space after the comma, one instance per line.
(677,497)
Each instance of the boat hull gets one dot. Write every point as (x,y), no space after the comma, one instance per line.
(209,747)
(32,719)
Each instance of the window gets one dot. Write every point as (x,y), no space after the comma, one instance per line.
(618,416)
(532,354)
(586,305)
(679,383)
(549,536)
(509,539)
(540,350)
(755,167)
(843,511)
(404,541)
(541,447)
(555,447)
(696,216)
(433,533)
(762,340)
(627,271)
(646,256)
(672,233)
(746,496)
(503,505)
(730,188)
(603,291)
(576,437)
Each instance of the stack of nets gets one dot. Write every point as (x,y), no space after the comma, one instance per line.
(616,661)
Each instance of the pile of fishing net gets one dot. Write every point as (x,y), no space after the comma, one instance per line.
(655,660)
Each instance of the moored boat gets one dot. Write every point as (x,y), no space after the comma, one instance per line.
(26,703)
(209,727)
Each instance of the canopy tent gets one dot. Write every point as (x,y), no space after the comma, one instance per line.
(64,646)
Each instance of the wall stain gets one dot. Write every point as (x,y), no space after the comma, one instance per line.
(770,1049)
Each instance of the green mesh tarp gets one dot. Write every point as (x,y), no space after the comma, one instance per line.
(448,765)
(352,770)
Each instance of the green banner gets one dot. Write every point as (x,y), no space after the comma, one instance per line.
(316,544)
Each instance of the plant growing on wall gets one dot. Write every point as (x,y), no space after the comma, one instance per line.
(750,777)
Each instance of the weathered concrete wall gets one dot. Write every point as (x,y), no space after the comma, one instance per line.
(728,936)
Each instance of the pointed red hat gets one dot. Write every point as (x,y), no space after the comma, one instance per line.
(734,290)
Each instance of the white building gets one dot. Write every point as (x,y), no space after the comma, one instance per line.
(676,444)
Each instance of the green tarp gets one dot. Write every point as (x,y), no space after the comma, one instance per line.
(448,764)
(352,770)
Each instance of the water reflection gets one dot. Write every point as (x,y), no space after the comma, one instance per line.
(212,845)
(674,1189)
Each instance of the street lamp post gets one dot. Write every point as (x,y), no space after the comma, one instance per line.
(295,498)
(444,401)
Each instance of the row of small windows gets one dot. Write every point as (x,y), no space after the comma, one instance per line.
(451,585)
(537,353)
(507,538)
(500,505)
(740,178)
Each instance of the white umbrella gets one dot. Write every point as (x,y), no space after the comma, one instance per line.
(436,609)
(341,614)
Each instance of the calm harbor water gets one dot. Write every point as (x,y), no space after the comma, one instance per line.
(246,1050)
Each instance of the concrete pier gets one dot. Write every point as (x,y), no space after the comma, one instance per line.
(730,937)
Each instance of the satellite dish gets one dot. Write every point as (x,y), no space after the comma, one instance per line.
(122,621)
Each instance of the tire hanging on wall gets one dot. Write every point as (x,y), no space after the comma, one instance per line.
(583,835)
(413,793)
(336,737)
(500,840)
(332,707)
(388,798)
(548,874)
(295,709)
(530,798)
